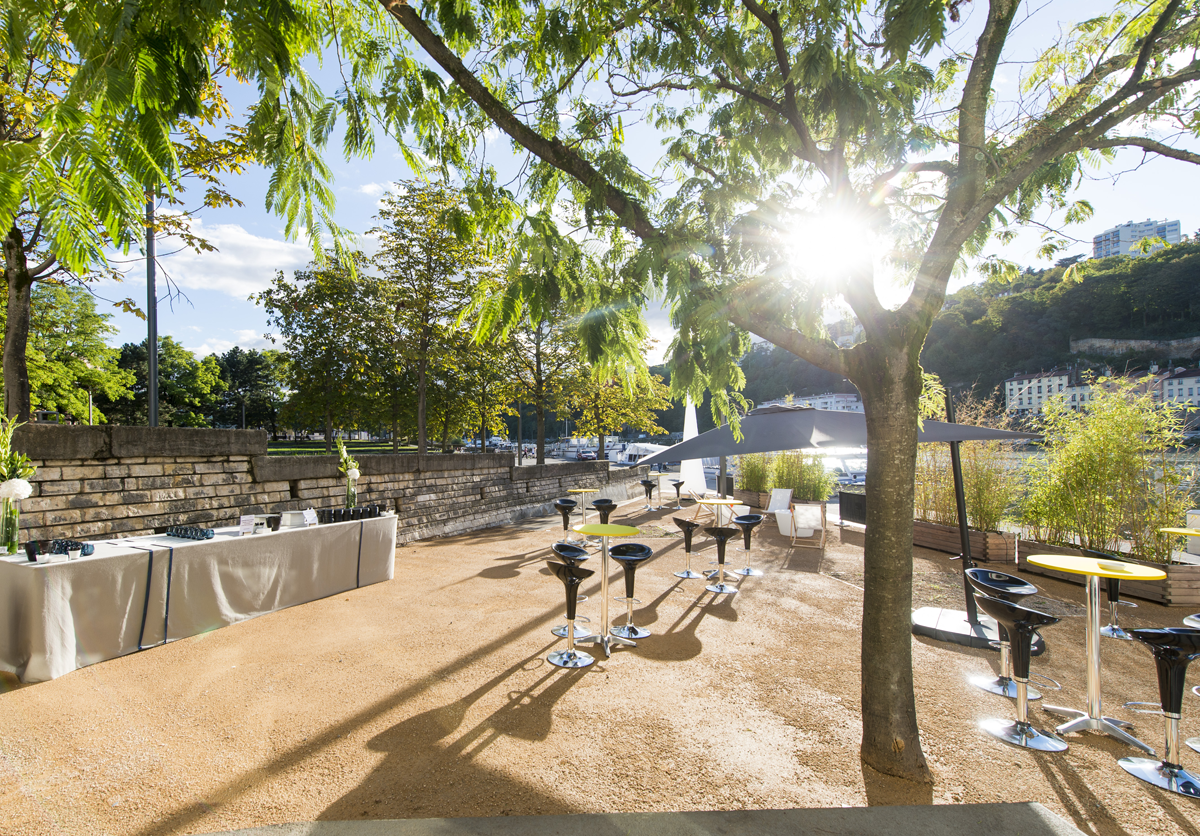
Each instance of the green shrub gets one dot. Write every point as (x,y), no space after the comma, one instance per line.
(1108,474)
(754,473)
(805,474)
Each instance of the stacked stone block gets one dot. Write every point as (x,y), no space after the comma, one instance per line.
(124,481)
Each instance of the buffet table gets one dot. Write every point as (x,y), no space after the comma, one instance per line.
(139,592)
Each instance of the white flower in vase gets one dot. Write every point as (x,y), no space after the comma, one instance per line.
(15,489)
(352,473)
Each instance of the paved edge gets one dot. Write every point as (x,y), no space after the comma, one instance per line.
(1026,819)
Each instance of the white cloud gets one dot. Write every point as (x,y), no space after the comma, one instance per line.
(244,263)
(373,189)
(247,339)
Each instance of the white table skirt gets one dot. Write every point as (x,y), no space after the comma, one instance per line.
(60,616)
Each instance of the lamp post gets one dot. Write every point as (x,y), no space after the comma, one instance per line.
(151,317)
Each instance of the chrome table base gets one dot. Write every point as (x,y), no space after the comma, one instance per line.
(1108,725)
(608,639)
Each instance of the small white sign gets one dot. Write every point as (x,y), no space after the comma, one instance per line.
(310,516)
(246,525)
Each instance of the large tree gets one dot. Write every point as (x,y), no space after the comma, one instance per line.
(188,389)
(432,258)
(778,115)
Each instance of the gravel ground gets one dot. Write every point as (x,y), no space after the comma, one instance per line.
(430,696)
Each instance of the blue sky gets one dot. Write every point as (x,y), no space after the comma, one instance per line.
(252,247)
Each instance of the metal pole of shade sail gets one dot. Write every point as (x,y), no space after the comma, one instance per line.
(960,501)
(151,316)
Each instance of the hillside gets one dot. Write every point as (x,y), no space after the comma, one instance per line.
(989,332)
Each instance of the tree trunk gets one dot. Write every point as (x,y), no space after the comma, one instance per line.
(16,329)
(328,430)
(541,431)
(889,379)
(422,365)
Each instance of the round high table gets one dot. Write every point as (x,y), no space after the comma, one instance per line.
(1095,569)
(715,503)
(603,637)
(583,506)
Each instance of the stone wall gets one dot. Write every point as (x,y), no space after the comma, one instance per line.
(122,481)
(1170,349)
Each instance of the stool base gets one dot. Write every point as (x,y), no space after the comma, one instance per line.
(1007,688)
(1194,742)
(722,589)
(688,574)
(630,631)
(1111,631)
(581,632)
(570,659)
(1023,735)
(748,572)
(1157,773)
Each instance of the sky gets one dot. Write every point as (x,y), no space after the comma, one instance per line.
(251,247)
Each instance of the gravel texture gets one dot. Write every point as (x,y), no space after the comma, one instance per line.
(430,696)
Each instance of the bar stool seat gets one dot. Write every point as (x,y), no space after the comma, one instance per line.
(604,507)
(572,556)
(747,523)
(629,555)
(677,484)
(1006,588)
(688,527)
(1020,624)
(1173,649)
(721,535)
(566,507)
(649,485)
(571,576)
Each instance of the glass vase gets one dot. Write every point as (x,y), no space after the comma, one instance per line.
(10,516)
(351,493)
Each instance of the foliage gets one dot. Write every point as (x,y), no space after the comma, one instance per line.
(1107,474)
(754,472)
(253,388)
(13,463)
(68,353)
(188,389)
(604,405)
(321,316)
(991,482)
(805,474)
(988,332)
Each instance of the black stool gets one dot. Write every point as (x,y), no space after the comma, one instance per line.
(1173,648)
(1014,590)
(571,576)
(688,528)
(604,507)
(649,485)
(677,484)
(721,535)
(747,523)
(1112,591)
(1020,624)
(629,555)
(572,556)
(566,507)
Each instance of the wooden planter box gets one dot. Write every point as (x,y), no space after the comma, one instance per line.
(1180,588)
(986,546)
(755,499)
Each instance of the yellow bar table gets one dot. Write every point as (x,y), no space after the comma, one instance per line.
(715,503)
(603,637)
(583,503)
(1095,569)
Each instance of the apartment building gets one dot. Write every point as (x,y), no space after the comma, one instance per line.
(1121,239)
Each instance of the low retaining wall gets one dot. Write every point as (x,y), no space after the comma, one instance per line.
(97,481)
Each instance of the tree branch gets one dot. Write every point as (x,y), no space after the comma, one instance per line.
(630,213)
(1146,144)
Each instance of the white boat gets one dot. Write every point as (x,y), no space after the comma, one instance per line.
(625,455)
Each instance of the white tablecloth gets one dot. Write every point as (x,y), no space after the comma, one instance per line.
(65,615)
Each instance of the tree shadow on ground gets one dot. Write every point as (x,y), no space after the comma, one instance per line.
(430,770)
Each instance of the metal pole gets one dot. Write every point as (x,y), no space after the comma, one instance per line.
(151,316)
(960,502)
(520,439)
